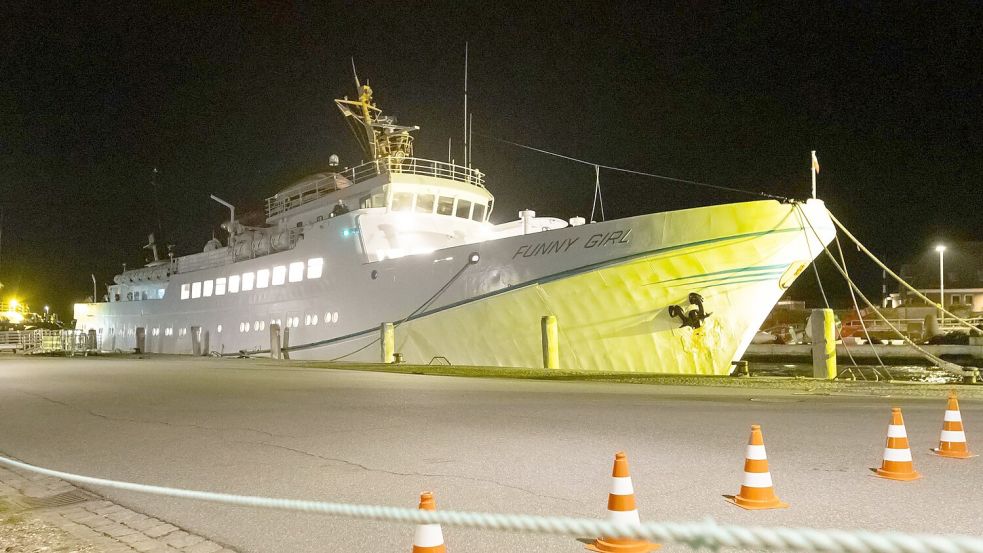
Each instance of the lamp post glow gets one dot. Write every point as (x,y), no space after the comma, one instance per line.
(941,249)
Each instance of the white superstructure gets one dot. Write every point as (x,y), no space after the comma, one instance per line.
(408,240)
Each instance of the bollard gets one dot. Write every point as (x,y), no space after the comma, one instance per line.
(285,349)
(388,340)
(551,343)
(196,341)
(823,344)
(274,341)
(742,368)
(971,375)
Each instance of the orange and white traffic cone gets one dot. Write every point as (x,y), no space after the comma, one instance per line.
(757,491)
(621,509)
(897,463)
(952,443)
(428,537)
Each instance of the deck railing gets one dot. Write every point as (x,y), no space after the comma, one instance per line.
(296,197)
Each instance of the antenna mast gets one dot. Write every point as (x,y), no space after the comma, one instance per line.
(465,103)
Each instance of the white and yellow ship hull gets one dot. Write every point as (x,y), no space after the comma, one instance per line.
(610,285)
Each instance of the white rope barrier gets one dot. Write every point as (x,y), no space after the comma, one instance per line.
(693,534)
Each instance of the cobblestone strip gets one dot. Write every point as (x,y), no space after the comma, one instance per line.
(96,524)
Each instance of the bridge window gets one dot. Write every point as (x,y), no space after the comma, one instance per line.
(297,271)
(185,291)
(262,278)
(479,212)
(279,275)
(195,290)
(445,206)
(207,289)
(247,281)
(314,267)
(463,209)
(424,203)
(233,284)
(402,201)
(220,286)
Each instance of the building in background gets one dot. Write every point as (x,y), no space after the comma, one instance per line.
(963,273)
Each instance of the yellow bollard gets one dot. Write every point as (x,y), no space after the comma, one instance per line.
(823,344)
(551,343)
(274,341)
(388,340)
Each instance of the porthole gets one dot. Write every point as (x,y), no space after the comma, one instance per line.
(314,319)
(247,327)
(218,329)
(334,317)
(307,320)
(375,274)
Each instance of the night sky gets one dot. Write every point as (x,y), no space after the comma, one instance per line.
(238,102)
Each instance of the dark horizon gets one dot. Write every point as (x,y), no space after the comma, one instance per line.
(239,103)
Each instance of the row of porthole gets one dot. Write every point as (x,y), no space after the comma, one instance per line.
(291,322)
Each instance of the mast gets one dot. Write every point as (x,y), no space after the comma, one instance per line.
(378,134)
(465,104)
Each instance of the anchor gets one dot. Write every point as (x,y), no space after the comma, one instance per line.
(694,316)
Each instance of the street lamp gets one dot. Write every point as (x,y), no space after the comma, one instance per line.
(45,312)
(941,249)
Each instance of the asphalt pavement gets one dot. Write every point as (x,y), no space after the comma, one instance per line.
(520,446)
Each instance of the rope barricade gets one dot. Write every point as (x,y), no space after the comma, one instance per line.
(693,534)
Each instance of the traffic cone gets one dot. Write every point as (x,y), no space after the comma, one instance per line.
(897,463)
(952,443)
(757,491)
(428,537)
(621,509)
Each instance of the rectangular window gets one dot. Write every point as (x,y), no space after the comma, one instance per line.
(279,275)
(479,213)
(463,209)
(195,290)
(262,278)
(185,291)
(233,284)
(247,281)
(968,299)
(207,289)
(402,201)
(314,267)
(220,286)
(297,271)
(955,299)
(424,203)
(445,206)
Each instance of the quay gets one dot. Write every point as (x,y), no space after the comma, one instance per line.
(972,353)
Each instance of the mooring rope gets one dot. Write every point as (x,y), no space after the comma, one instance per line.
(951,367)
(904,283)
(696,535)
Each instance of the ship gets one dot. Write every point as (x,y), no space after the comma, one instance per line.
(407,244)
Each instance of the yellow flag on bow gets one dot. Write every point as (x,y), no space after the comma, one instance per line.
(815,162)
